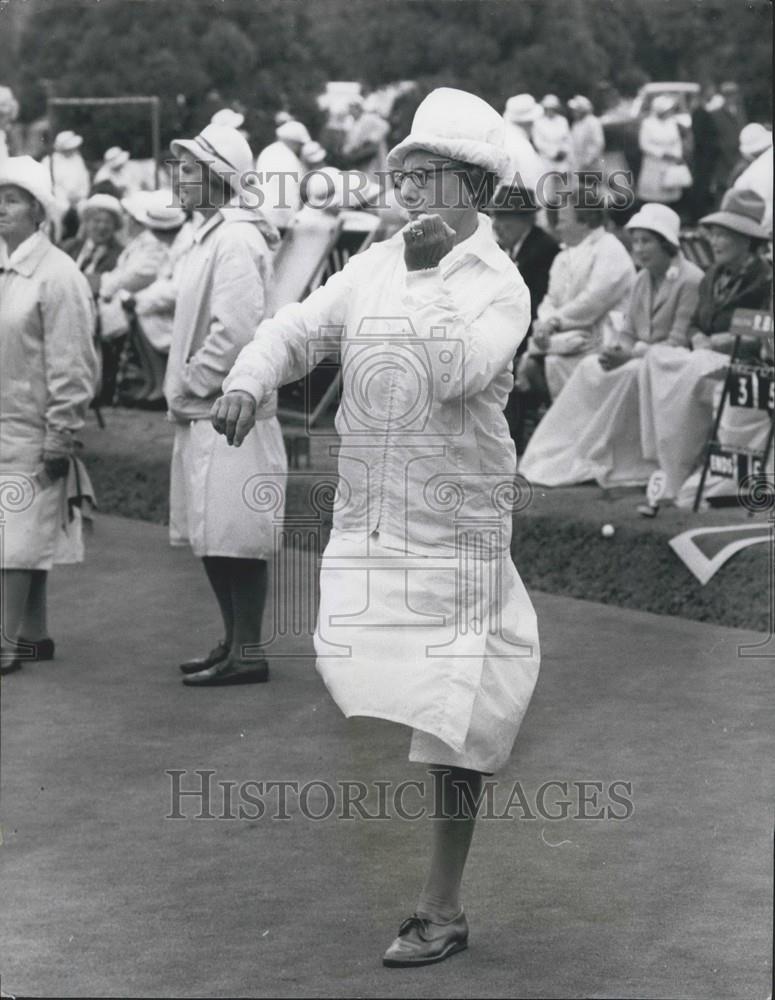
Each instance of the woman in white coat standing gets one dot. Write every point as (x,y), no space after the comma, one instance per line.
(663,164)
(48,374)
(222,290)
(426,324)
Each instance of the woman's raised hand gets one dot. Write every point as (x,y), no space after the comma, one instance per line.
(426,241)
(234,415)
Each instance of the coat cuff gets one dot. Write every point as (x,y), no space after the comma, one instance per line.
(58,440)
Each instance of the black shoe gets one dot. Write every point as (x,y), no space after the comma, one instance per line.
(217,655)
(422,941)
(230,671)
(42,649)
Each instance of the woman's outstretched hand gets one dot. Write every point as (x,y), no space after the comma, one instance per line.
(234,415)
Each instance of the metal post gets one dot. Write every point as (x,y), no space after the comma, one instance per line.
(156,138)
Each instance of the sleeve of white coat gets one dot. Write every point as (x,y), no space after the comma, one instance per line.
(297,337)
(481,347)
(609,281)
(237,306)
(70,356)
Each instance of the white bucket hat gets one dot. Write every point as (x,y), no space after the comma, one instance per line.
(658,219)
(154,210)
(312,152)
(103,203)
(115,157)
(662,103)
(580,103)
(229,117)
(67,141)
(293,131)
(456,124)
(324,188)
(754,139)
(223,149)
(522,109)
(29,175)
(551,101)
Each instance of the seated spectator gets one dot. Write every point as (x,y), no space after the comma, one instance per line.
(96,249)
(513,211)
(153,224)
(592,431)
(589,284)
(679,386)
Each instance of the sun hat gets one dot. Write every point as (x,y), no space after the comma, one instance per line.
(456,124)
(115,157)
(324,188)
(102,203)
(741,211)
(154,210)
(229,117)
(313,152)
(281,117)
(9,106)
(29,175)
(551,101)
(754,139)
(515,198)
(657,219)
(67,141)
(580,103)
(522,109)
(662,103)
(223,149)
(292,131)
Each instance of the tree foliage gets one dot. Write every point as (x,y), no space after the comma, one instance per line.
(198,55)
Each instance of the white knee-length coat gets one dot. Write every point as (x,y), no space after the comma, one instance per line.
(426,469)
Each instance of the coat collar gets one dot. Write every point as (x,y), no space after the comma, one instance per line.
(26,257)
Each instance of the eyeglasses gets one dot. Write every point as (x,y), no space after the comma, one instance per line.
(418,177)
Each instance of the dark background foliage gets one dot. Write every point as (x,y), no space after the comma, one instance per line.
(199,55)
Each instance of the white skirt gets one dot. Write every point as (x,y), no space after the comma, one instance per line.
(36,530)
(227,501)
(445,645)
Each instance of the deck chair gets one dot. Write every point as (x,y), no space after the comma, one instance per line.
(302,256)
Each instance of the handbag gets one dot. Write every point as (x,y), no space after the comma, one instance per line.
(114,322)
(677,175)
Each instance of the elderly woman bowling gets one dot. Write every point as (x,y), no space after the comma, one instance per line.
(426,324)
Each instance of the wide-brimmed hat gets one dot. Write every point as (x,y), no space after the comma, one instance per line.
(458,125)
(662,103)
(312,152)
(67,141)
(154,209)
(29,175)
(223,149)
(115,157)
(741,211)
(657,219)
(229,117)
(293,131)
(754,139)
(324,188)
(514,199)
(580,103)
(522,109)
(102,203)
(551,101)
